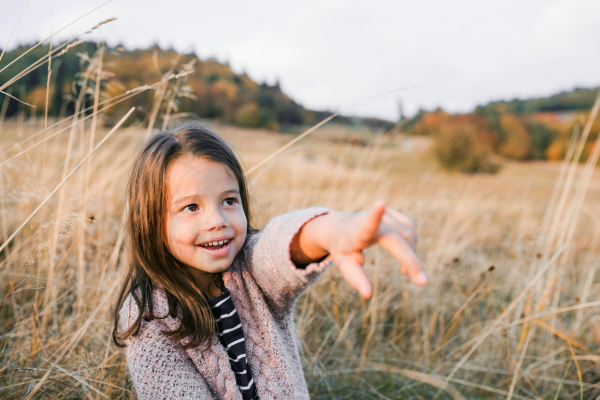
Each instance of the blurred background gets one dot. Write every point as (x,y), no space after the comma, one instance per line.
(528,65)
(477,119)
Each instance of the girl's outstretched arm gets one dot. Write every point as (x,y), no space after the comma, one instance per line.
(345,235)
(270,264)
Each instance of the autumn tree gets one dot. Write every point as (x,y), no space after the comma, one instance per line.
(517,141)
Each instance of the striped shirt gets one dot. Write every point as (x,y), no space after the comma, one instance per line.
(231,336)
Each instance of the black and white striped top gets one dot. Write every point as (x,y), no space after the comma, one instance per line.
(231,337)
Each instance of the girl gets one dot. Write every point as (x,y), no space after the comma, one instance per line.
(206,307)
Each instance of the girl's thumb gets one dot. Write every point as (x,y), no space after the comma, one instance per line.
(374,218)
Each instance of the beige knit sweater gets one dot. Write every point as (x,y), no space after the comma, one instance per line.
(264,288)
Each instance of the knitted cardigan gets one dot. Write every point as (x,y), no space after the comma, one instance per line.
(264,286)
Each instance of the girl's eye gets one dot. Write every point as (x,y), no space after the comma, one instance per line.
(230,201)
(190,208)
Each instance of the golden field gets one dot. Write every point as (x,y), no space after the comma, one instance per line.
(512,309)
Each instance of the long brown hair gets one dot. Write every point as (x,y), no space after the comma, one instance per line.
(149,260)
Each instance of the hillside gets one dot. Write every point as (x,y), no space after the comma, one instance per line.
(212,91)
(575,100)
(520,129)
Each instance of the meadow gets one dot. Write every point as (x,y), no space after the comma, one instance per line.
(511,311)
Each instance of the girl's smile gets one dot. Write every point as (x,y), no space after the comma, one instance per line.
(205,221)
(217,248)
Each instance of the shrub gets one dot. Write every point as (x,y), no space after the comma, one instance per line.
(458,148)
(517,141)
(249,116)
(544,129)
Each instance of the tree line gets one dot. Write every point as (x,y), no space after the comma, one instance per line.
(212,91)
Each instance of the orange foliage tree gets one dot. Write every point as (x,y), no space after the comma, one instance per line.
(462,142)
(517,140)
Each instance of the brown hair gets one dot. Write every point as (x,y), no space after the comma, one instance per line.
(149,259)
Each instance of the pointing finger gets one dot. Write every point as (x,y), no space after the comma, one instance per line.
(403,252)
(394,225)
(402,218)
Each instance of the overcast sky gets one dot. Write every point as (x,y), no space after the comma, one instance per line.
(359,57)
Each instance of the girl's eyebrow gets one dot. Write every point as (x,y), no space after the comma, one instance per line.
(232,191)
(182,199)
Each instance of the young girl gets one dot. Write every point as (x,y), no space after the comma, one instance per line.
(206,307)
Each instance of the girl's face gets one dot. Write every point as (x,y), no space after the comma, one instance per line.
(205,222)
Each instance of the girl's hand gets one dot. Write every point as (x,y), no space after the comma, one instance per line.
(345,235)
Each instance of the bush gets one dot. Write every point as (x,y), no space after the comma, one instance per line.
(517,140)
(542,135)
(249,116)
(458,148)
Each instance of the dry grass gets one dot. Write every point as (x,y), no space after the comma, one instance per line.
(512,309)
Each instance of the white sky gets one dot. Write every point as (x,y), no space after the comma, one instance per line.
(334,54)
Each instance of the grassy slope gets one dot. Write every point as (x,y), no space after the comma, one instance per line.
(466,225)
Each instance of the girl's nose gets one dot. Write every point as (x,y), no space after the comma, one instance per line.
(215,219)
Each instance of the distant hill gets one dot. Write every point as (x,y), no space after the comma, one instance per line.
(521,129)
(212,91)
(574,100)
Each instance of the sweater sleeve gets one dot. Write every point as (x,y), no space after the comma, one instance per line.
(271,264)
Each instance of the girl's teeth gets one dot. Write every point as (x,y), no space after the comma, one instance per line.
(218,243)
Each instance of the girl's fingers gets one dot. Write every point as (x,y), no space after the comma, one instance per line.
(405,254)
(395,226)
(404,220)
(372,221)
(355,275)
